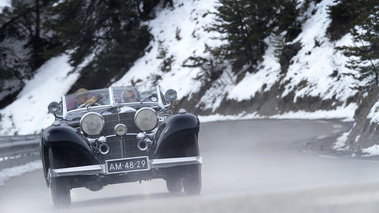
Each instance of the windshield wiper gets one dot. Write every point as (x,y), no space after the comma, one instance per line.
(96,101)
(150,97)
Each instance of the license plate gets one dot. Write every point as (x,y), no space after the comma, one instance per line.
(127,165)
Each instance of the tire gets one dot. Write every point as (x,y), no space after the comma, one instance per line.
(60,186)
(174,184)
(192,181)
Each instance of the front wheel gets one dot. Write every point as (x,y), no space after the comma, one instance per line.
(60,186)
(192,183)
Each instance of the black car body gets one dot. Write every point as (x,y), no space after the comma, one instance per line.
(111,140)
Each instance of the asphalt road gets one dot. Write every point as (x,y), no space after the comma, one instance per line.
(248,166)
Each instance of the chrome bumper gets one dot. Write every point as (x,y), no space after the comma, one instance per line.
(101,168)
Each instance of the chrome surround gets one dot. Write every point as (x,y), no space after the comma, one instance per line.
(124,129)
(101,168)
(121,172)
(104,148)
(92,113)
(144,109)
(170,95)
(54,108)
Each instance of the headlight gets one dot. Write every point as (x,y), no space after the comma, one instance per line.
(54,108)
(170,95)
(92,123)
(146,119)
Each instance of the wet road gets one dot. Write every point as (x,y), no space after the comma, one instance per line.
(248,166)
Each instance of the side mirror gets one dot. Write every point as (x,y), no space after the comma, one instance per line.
(170,95)
(54,108)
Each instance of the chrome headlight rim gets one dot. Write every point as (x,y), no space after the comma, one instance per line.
(92,123)
(120,129)
(146,119)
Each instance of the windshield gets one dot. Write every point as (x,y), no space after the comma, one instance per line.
(112,96)
(82,97)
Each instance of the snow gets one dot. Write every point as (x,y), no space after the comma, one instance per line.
(5,174)
(341,141)
(183,32)
(267,75)
(317,60)
(373,114)
(371,151)
(28,114)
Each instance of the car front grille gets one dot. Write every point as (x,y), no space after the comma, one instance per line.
(121,147)
(113,119)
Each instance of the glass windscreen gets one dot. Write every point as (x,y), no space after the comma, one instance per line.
(82,97)
(126,94)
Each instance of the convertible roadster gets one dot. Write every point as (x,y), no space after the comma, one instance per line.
(118,135)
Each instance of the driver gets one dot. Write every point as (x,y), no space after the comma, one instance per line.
(82,96)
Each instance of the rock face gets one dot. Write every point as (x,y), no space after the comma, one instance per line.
(266,103)
(365,133)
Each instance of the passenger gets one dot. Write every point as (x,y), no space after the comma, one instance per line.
(129,96)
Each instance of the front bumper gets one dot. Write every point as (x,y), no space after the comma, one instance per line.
(101,168)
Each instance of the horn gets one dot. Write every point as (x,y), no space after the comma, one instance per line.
(104,148)
(142,145)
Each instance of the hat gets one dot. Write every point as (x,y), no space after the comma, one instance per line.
(80,92)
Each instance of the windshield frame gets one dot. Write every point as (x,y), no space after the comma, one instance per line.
(114,100)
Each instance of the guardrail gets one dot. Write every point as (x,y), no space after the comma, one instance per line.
(18,150)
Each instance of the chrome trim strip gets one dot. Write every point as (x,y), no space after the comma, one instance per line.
(79,170)
(100,168)
(111,96)
(170,162)
(64,107)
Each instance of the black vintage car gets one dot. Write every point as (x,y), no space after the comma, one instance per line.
(118,135)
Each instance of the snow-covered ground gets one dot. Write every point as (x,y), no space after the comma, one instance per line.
(5,174)
(183,32)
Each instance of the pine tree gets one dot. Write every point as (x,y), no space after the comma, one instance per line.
(23,41)
(287,19)
(364,54)
(110,31)
(23,24)
(246,23)
(344,15)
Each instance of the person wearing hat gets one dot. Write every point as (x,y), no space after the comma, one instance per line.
(82,96)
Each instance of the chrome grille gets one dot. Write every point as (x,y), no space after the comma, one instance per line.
(121,147)
(113,119)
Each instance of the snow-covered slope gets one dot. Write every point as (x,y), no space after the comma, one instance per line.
(28,114)
(315,63)
(311,70)
(180,33)
(184,32)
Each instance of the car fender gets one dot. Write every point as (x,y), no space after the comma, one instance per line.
(65,137)
(70,141)
(173,127)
